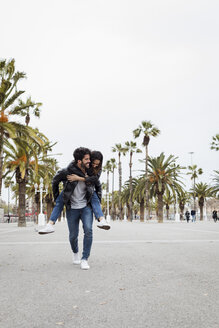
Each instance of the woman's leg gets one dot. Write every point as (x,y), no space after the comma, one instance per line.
(57,210)
(96,206)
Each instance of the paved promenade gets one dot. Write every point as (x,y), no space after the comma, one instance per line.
(142,275)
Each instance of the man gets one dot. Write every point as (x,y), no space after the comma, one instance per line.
(77,196)
(193,215)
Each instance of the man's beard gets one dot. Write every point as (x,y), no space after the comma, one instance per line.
(83,166)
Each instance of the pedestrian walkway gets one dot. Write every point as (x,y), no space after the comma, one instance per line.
(141,275)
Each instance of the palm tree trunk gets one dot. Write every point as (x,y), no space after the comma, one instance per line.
(120,188)
(194,195)
(22,203)
(142,210)
(167,208)
(146,183)
(130,188)
(129,212)
(113,209)
(107,192)
(181,206)
(160,207)
(201,205)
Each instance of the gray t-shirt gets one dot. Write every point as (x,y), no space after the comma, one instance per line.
(78,198)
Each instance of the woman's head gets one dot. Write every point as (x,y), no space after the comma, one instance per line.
(96,160)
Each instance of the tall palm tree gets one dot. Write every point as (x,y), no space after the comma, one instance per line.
(147,129)
(163,175)
(202,191)
(194,172)
(131,147)
(113,166)
(9,95)
(121,151)
(107,168)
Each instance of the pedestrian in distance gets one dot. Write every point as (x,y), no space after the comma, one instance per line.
(214,215)
(187,215)
(193,215)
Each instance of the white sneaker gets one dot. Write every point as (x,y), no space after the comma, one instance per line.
(84,265)
(48,229)
(103,225)
(76,258)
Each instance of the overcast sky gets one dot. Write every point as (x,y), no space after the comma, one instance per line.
(101,67)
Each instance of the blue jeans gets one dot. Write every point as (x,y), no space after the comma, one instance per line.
(95,203)
(58,208)
(73,218)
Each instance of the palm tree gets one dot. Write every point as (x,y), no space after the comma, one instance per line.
(107,168)
(131,147)
(16,162)
(194,172)
(121,151)
(202,191)
(183,198)
(215,142)
(163,175)
(113,166)
(147,129)
(168,199)
(9,94)
(139,194)
(21,157)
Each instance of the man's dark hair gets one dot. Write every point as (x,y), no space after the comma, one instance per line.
(80,152)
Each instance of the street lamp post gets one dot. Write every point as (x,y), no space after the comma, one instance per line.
(41,216)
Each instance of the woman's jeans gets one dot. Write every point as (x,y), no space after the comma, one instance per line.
(58,208)
(95,203)
(73,218)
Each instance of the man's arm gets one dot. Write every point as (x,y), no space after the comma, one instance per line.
(59,177)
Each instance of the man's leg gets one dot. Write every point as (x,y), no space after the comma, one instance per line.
(73,216)
(87,220)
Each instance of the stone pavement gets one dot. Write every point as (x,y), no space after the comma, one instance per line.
(142,275)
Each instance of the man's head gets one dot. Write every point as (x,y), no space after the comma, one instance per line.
(82,157)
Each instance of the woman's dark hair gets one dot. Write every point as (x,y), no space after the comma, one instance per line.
(97,155)
(80,152)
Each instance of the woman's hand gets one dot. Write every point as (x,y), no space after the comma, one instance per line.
(73,177)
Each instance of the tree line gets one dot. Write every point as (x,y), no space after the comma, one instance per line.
(25,152)
(161,183)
